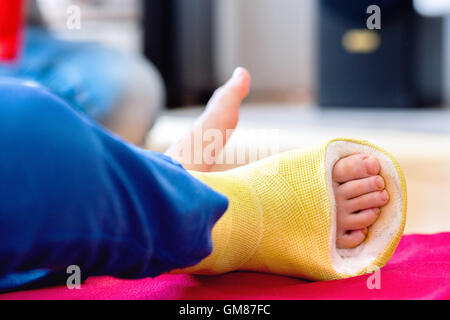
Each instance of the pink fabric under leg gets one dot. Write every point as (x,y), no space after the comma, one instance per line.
(419,269)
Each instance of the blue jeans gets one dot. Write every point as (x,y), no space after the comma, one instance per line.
(89,77)
(72,193)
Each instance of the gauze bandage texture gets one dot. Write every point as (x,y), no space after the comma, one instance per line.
(282,216)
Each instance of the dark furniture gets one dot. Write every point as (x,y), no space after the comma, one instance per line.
(178,40)
(405,71)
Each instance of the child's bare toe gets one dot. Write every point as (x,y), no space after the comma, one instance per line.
(356,188)
(366,201)
(359,193)
(359,220)
(356,166)
(351,238)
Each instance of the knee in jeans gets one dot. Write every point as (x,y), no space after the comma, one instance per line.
(34,118)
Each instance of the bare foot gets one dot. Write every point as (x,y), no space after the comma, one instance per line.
(222,113)
(359,193)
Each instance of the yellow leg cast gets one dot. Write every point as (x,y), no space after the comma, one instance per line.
(282,216)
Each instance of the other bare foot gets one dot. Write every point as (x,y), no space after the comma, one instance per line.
(221,113)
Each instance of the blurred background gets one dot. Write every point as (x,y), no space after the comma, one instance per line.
(317,72)
(287,45)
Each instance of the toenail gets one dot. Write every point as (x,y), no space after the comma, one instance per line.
(379,182)
(238,72)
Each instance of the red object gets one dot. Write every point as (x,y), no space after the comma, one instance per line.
(420,269)
(11,26)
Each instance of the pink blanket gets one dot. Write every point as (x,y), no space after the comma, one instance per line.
(420,269)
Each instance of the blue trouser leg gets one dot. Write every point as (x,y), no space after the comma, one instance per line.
(73,194)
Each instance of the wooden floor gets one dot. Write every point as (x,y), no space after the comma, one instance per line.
(420,141)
